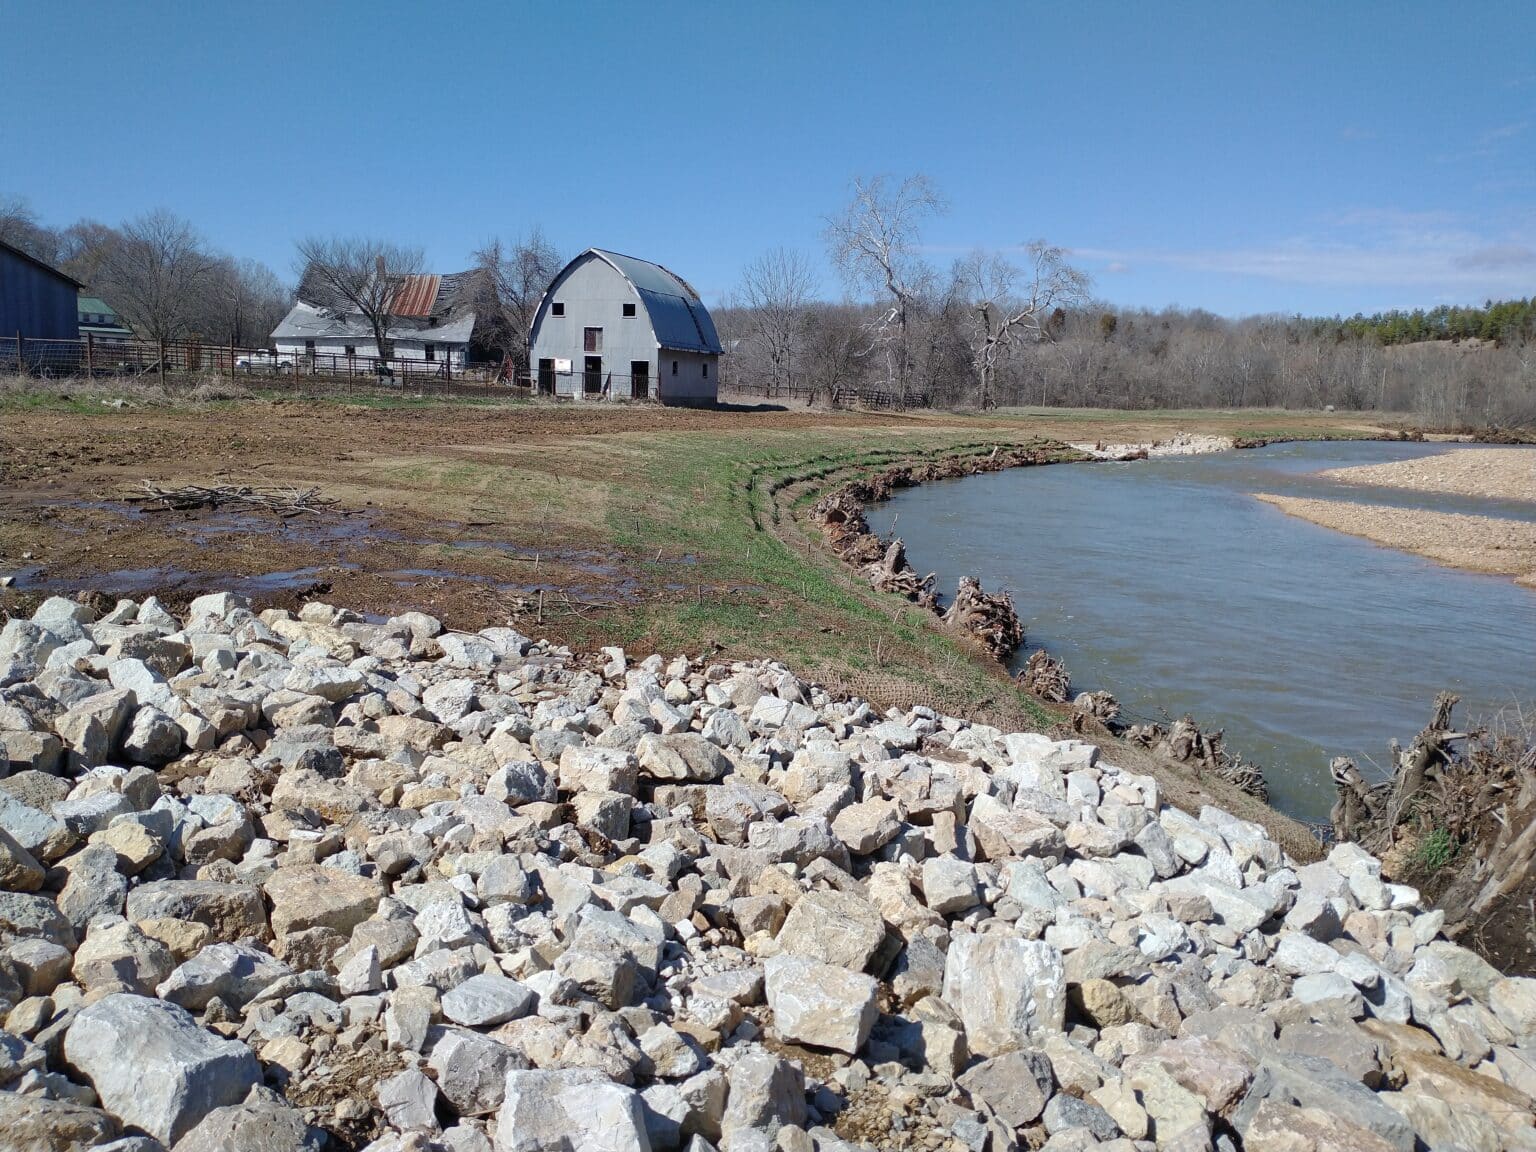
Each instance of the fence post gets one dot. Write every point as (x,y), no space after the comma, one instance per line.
(231,358)
(20,360)
(90,355)
(162,363)
(295,373)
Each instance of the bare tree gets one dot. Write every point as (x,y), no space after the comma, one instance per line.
(359,274)
(776,288)
(20,228)
(244,302)
(1009,303)
(156,272)
(874,245)
(515,275)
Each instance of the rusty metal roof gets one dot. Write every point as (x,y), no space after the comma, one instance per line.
(415,296)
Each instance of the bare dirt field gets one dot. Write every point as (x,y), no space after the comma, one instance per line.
(1476,543)
(1495,473)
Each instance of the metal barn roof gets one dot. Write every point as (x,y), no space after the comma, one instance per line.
(306,322)
(678,316)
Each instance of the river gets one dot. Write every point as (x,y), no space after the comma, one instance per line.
(1167,583)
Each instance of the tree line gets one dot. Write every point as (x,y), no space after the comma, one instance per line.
(167,282)
(158,273)
(1016,326)
(1021,327)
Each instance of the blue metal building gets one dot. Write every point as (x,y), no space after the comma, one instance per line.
(36,300)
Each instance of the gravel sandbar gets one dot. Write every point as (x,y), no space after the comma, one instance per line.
(1477,543)
(1497,473)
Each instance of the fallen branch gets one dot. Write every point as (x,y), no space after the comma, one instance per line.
(281,500)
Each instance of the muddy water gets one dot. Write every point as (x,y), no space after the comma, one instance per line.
(1166,583)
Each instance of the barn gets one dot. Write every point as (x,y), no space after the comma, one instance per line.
(432,322)
(37,301)
(612,326)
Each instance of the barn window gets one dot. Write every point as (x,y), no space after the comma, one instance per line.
(349,349)
(674,367)
(592,340)
(430,350)
(629,309)
(557,308)
(706,369)
(309,347)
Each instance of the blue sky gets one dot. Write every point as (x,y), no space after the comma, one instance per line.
(1238,157)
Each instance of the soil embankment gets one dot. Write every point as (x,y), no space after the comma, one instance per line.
(1476,543)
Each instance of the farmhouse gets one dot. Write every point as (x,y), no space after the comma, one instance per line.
(432,322)
(37,301)
(100,322)
(615,326)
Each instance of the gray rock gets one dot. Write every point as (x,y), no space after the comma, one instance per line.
(833,927)
(1007,990)
(1066,1112)
(950,885)
(820,1004)
(153,1067)
(235,973)
(1312,1082)
(26,915)
(37,1124)
(45,837)
(766,1092)
(573,1110)
(255,1126)
(409,1100)
(486,1000)
(472,1069)
(1014,1086)
(681,756)
(230,911)
(152,737)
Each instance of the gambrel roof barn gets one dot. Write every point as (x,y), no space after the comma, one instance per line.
(617,326)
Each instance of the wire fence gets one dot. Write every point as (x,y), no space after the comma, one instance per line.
(102,357)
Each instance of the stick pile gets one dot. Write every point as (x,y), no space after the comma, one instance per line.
(283,500)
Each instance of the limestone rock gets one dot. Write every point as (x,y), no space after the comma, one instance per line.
(1006,989)
(153,1067)
(833,927)
(314,896)
(819,1004)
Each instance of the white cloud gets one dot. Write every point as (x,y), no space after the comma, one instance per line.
(1381,247)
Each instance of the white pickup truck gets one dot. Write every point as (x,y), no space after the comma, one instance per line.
(265,361)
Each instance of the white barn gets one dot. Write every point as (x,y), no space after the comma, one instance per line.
(614,326)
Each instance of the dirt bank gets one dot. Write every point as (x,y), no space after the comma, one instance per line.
(1476,543)
(1494,473)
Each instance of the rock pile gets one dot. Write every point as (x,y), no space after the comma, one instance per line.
(276,882)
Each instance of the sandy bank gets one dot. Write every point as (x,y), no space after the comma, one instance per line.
(1477,543)
(1498,473)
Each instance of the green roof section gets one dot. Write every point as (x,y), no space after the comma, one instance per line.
(96,305)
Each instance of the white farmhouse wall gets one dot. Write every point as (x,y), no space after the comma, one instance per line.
(327,347)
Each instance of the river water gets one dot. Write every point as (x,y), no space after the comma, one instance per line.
(1167,583)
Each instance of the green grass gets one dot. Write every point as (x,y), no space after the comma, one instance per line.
(1436,850)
